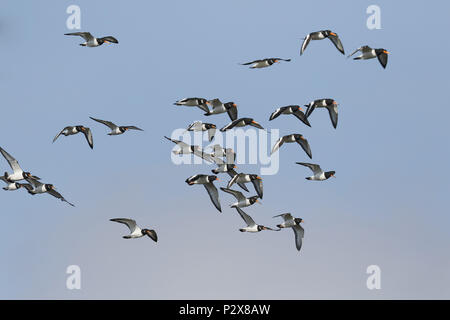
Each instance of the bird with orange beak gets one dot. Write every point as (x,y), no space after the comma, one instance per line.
(320,35)
(369,53)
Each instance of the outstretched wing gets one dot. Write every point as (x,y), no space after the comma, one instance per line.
(85,35)
(258,184)
(383,58)
(333,112)
(248,220)
(305,43)
(359,49)
(88,135)
(109,39)
(337,42)
(237,194)
(57,195)
(277,144)
(285,216)
(299,233)
(57,136)
(213,194)
(305,146)
(302,117)
(109,124)
(315,168)
(232,112)
(133,128)
(130,223)
(12,162)
(248,63)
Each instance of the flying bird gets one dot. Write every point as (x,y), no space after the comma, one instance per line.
(318,173)
(194,102)
(330,104)
(10,186)
(200,126)
(242,122)
(185,148)
(245,178)
(68,131)
(251,224)
(135,231)
(18,174)
(292,109)
(219,107)
(320,35)
(35,187)
(263,63)
(294,223)
(116,130)
(293,138)
(92,41)
(369,53)
(242,201)
(207,182)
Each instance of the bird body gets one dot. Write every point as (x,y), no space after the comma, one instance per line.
(71,130)
(207,182)
(219,107)
(194,102)
(242,201)
(329,104)
(370,53)
(17,174)
(295,137)
(242,178)
(36,187)
(294,223)
(242,122)
(318,173)
(92,41)
(291,109)
(135,231)
(263,63)
(320,35)
(116,130)
(201,126)
(251,224)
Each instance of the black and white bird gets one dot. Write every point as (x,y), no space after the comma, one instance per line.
(320,35)
(35,187)
(242,122)
(17,174)
(194,102)
(330,104)
(251,224)
(292,109)
(71,130)
(295,137)
(92,41)
(223,167)
(242,201)
(294,223)
(220,107)
(242,178)
(10,186)
(201,126)
(185,148)
(370,53)
(207,182)
(318,173)
(135,231)
(116,130)
(263,63)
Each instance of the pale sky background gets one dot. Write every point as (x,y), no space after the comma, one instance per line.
(387,205)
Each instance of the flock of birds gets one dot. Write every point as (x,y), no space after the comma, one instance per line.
(223,158)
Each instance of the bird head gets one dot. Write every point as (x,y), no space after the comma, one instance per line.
(329,174)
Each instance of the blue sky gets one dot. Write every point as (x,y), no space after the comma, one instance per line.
(386,207)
